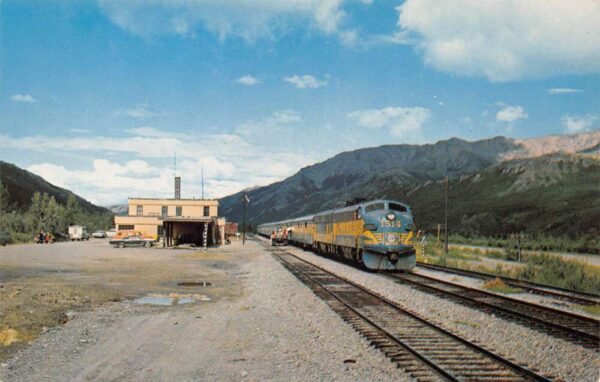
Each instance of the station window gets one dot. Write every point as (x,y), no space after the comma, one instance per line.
(140,210)
(178,211)
(164,211)
(206,211)
(160,230)
(126,227)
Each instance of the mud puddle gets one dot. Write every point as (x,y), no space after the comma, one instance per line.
(170,299)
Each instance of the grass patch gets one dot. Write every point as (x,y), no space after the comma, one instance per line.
(586,243)
(556,271)
(552,270)
(497,285)
(469,254)
(592,309)
(8,336)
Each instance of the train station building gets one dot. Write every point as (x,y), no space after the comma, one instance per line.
(175,221)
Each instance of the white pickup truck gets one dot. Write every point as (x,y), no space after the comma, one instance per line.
(78,232)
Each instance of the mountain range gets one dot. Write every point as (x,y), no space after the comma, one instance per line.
(500,185)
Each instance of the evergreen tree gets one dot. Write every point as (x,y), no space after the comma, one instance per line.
(4,205)
(4,199)
(71,209)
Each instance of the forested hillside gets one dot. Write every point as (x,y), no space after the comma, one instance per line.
(29,204)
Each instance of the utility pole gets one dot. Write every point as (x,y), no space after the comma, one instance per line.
(446,224)
(245,200)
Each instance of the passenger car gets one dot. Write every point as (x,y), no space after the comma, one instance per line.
(132,241)
(100,234)
(111,233)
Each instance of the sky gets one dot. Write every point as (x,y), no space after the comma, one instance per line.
(110,98)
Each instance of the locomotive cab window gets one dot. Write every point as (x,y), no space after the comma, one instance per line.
(374,207)
(397,207)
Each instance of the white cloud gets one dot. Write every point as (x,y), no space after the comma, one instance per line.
(574,124)
(28,98)
(506,40)
(269,126)
(81,131)
(231,162)
(401,121)
(305,82)
(151,132)
(107,182)
(511,114)
(141,111)
(248,80)
(558,91)
(249,20)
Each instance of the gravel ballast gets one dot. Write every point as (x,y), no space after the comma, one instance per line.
(551,356)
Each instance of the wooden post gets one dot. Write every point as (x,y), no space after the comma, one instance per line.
(438,234)
(519,245)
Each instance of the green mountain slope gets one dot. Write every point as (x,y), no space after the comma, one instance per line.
(555,194)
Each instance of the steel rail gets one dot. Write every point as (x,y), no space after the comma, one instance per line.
(496,364)
(582,298)
(560,323)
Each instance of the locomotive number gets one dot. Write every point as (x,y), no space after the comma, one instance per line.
(390,224)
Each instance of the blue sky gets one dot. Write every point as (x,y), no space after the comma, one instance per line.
(99,96)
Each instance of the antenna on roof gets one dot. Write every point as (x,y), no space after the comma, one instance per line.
(202,182)
(175,164)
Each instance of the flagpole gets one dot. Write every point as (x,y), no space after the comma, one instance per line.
(245,200)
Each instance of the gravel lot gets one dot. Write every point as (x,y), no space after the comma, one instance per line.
(552,357)
(268,327)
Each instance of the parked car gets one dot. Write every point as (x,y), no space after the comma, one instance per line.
(4,238)
(111,233)
(78,232)
(100,234)
(132,241)
(122,234)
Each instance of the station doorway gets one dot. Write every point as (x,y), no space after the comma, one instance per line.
(189,231)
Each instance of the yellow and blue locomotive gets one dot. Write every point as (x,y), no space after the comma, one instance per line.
(376,234)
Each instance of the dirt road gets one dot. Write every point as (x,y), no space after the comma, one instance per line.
(255,321)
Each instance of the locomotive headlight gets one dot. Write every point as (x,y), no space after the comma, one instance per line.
(391,217)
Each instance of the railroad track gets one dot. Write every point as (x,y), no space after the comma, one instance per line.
(425,350)
(580,298)
(558,323)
